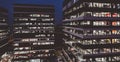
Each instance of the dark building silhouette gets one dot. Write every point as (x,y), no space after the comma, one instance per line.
(4,31)
(34,33)
(92,30)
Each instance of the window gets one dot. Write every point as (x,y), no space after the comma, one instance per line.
(23,19)
(40,35)
(97,32)
(48,19)
(116,23)
(105,50)
(101,14)
(42,15)
(102,59)
(115,15)
(98,14)
(18,27)
(106,5)
(33,39)
(95,4)
(115,31)
(45,23)
(105,41)
(87,32)
(116,58)
(73,16)
(101,32)
(22,52)
(118,6)
(85,23)
(116,50)
(101,23)
(43,43)
(4,33)
(87,14)
(16,44)
(87,51)
(33,19)
(35,15)
(27,40)
(32,27)
(115,41)
(25,31)
(87,42)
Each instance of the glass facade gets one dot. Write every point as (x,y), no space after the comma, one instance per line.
(34,33)
(91,30)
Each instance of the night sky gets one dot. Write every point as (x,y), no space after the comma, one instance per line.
(8,4)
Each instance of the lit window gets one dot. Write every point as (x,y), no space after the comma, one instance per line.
(101,23)
(116,23)
(101,14)
(25,40)
(33,39)
(33,19)
(46,19)
(115,40)
(16,44)
(85,23)
(35,15)
(118,5)
(115,31)
(23,19)
(73,16)
(45,15)
(115,15)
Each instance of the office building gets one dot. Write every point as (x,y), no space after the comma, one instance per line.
(92,30)
(34,33)
(4,33)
